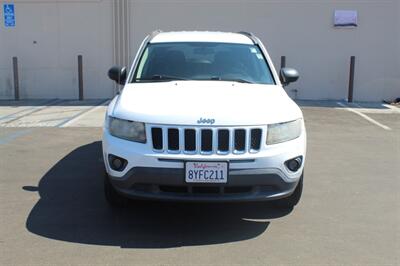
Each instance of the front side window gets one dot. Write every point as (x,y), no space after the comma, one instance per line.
(203,61)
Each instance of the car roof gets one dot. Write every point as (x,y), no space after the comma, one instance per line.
(201,36)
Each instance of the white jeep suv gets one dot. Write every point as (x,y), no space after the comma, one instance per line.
(203,117)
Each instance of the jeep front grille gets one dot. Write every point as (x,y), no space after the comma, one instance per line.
(205,140)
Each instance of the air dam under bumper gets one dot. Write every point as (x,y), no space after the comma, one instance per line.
(169,184)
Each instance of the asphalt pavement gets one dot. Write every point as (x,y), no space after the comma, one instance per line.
(53,212)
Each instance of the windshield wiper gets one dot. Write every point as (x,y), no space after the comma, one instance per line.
(234,80)
(160,78)
(239,80)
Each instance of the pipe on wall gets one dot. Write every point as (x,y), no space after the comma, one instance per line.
(121,33)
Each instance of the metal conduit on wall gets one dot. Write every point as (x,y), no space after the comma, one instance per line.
(121,33)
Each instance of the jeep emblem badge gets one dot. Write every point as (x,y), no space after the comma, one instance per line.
(205,121)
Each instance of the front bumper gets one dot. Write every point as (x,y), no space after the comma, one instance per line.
(252,177)
(169,184)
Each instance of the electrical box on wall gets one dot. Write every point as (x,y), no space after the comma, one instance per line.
(345,18)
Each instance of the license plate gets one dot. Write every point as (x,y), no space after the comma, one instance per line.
(206,172)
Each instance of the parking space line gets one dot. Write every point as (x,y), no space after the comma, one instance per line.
(396,109)
(369,119)
(26,109)
(79,115)
(56,101)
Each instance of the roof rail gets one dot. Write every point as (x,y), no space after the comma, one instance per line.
(249,35)
(153,34)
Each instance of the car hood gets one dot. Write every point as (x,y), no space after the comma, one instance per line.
(186,102)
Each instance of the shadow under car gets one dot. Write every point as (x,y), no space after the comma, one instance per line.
(72,208)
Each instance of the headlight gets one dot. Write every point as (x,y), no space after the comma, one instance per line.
(282,132)
(124,129)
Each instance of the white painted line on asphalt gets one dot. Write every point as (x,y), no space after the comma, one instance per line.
(78,116)
(26,109)
(369,119)
(39,108)
(396,109)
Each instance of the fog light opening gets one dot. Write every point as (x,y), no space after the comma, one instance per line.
(117,163)
(294,164)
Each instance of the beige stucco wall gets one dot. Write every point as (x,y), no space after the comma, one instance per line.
(302,30)
(62,30)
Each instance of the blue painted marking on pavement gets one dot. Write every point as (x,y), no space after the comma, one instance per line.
(7,139)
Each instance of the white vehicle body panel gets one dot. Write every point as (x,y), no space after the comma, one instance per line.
(181,104)
(201,36)
(184,102)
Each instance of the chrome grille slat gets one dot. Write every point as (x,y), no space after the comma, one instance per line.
(181,139)
(247,140)
(215,140)
(198,140)
(165,138)
(231,139)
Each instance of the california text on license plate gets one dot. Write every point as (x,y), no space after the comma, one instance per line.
(206,172)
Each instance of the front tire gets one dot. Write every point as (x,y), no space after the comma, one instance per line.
(294,198)
(112,196)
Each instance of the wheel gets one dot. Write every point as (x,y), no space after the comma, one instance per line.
(293,199)
(111,195)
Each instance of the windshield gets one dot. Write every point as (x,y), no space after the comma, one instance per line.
(203,61)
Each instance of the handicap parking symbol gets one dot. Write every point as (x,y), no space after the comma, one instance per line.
(9,15)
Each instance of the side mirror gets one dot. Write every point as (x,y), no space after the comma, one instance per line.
(288,75)
(118,74)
